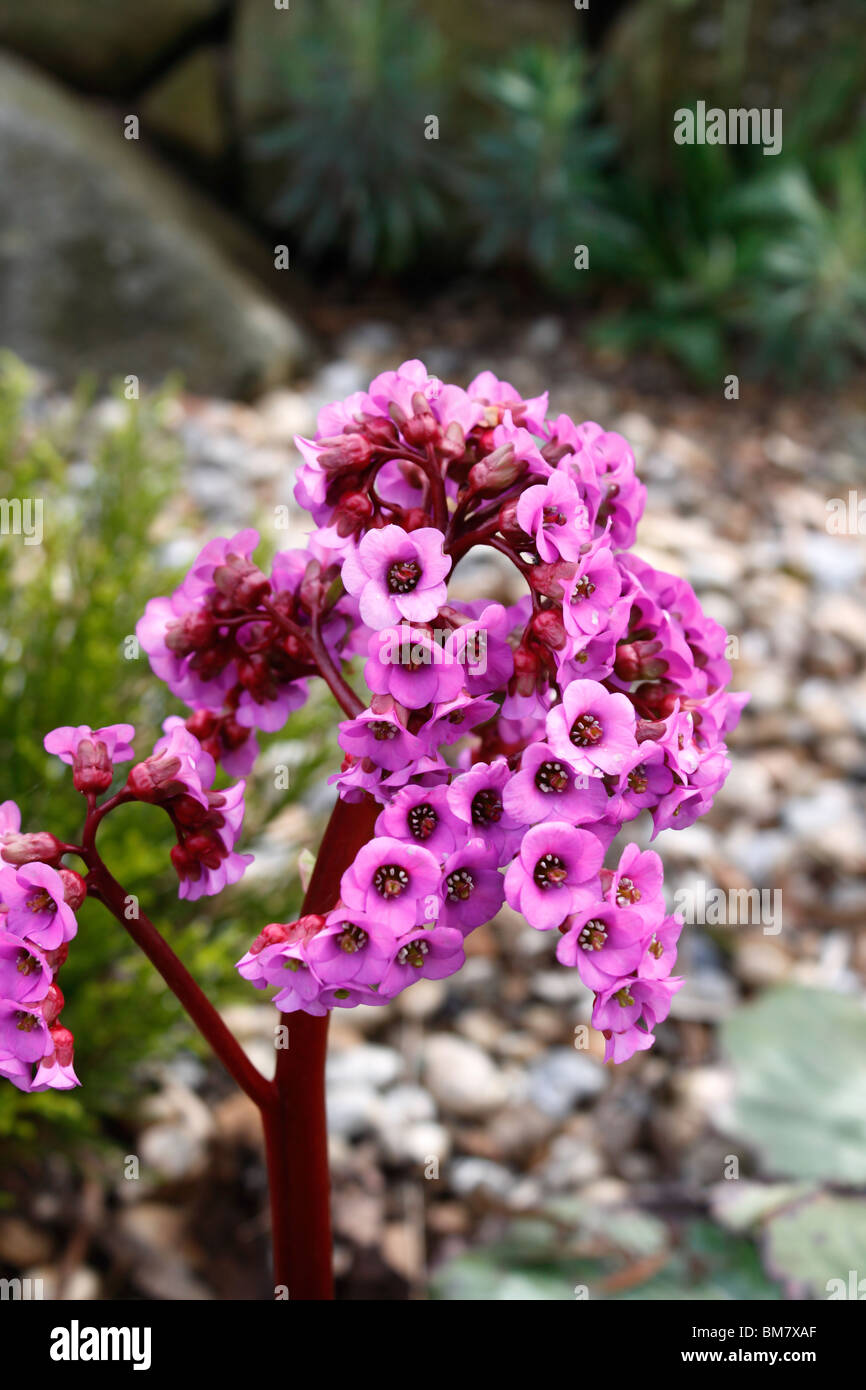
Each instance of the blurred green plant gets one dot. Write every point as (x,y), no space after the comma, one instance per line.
(108,478)
(534,183)
(356,173)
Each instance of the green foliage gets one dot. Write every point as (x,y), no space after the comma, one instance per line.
(709,254)
(108,479)
(534,185)
(799,1059)
(360,176)
(544,1258)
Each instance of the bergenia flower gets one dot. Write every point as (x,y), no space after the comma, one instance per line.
(37,911)
(554,874)
(398,575)
(390,881)
(592,728)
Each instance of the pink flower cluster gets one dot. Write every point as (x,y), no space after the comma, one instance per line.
(517,739)
(38,903)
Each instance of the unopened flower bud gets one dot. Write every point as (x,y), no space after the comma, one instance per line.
(352,513)
(509,525)
(39,848)
(495,472)
(638,661)
(648,729)
(242,582)
(52,1004)
(381,433)
(549,579)
(91,766)
(422,427)
(344,451)
(64,1045)
(58,957)
(549,629)
(191,633)
(74,888)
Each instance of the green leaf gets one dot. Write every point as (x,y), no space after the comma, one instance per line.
(799,1059)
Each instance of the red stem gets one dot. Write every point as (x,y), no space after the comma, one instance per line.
(103,885)
(295,1124)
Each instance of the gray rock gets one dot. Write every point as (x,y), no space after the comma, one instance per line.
(97,42)
(461,1077)
(366,1065)
(560,1079)
(108,265)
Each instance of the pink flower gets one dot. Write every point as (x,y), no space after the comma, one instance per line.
(476,798)
(91,752)
(398,574)
(37,910)
(555,874)
(411,666)
(554,514)
(604,943)
(23,1032)
(56,1070)
(422,815)
(592,729)
(548,788)
(389,882)
(431,954)
(350,950)
(24,972)
(628,1001)
(472,887)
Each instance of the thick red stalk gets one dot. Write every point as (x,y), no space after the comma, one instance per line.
(295,1123)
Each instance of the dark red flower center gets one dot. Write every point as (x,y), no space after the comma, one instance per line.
(637,779)
(582,589)
(352,938)
(413,953)
(552,777)
(486,807)
(593,936)
(627,892)
(550,871)
(383,729)
(460,885)
(390,880)
(422,820)
(41,901)
(586,731)
(403,576)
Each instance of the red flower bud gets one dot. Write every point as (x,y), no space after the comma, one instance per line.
(39,848)
(344,451)
(638,661)
(510,526)
(74,888)
(58,957)
(52,1004)
(91,766)
(64,1045)
(242,582)
(495,472)
(548,628)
